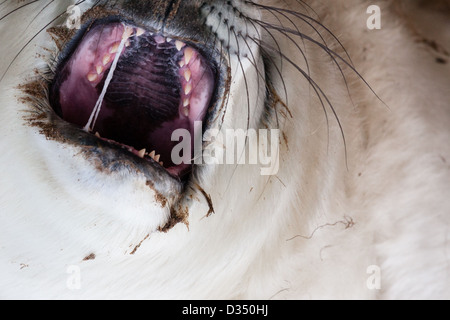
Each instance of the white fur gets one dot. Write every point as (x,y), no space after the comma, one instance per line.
(310,232)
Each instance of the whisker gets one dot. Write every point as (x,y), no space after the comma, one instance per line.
(335,62)
(17,9)
(329,51)
(306,18)
(301,35)
(319,92)
(34,37)
(39,13)
(281,58)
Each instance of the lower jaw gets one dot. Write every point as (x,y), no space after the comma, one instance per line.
(180,171)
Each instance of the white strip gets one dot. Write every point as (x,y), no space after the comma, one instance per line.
(98,106)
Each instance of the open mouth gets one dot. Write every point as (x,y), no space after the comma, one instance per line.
(133,88)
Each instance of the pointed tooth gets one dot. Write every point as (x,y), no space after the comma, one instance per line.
(152,155)
(139,32)
(188,89)
(157,158)
(114,48)
(188,54)
(186,102)
(142,153)
(106,59)
(127,32)
(97,135)
(128,43)
(99,69)
(161,164)
(187,75)
(92,77)
(182,63)
(169,39)
(186,112)
(180,45)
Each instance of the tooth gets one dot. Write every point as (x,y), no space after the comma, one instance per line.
(180,45)
(99,69)
(182,63)
(128,43)
(188,89)
(188,54)
(141,153)
(187,75)
(169,39)
(140,32)
(127,32)
(106,59)
(186,102)
(161,164)
(186,112)
(92,77)
(97,135)
(152,155)
(157,158)
(114,48)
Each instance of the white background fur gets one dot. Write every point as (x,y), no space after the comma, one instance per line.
(310,232)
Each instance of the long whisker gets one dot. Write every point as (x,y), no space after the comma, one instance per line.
(306,18)
(34,37)
(17,9)
(319,92)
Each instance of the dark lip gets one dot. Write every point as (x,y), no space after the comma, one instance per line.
(113,158)
(108,158)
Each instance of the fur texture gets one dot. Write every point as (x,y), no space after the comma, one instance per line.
(335,208)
